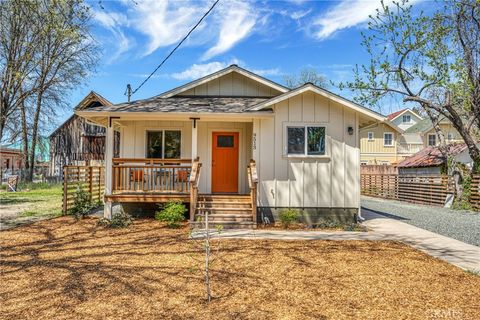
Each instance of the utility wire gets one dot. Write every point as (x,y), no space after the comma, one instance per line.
(130,93)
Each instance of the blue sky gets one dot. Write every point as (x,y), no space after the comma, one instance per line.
(272,38)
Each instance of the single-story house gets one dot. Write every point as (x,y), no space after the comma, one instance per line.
(238,146)
(11,160)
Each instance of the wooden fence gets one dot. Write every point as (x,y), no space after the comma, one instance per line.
(475,192)
(90,178)
(426,189)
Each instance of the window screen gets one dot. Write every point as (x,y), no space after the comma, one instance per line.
(172,144)
(154,144)
(225,141)
(316,140)
(296,140)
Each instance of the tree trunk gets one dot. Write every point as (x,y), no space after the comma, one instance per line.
(31,169)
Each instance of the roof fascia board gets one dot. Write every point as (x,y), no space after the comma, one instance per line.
(322,92)
(219,74)
(170,115)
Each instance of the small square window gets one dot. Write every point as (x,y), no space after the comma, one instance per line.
(225,141)
(406,118)
(164,144)
(371,137)
(450,136)
(388,139)
(306,140)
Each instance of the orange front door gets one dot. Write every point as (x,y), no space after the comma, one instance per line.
(224,162)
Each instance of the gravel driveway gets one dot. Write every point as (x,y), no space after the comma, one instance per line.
(460,225)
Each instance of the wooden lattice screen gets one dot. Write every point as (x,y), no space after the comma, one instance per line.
(89,178)
(475,192)
(423,189)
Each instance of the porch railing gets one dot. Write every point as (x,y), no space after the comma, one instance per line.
(151,175)
(194,179)
(252,183)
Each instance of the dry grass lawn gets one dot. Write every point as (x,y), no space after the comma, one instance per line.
(62,269)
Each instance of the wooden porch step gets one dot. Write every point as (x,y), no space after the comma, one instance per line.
(215,204)
(218,217)
(226,224)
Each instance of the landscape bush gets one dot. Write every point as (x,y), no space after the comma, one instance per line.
(172,213)
(82,203)
(119,220)
(288,216)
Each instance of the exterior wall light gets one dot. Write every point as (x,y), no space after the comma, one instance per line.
(350,130)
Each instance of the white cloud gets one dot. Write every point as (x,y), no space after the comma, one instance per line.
(196,71)
(199,70)
(113,22)
(296,15)
(236,23)
(267,72)
(346,14)
(165,22)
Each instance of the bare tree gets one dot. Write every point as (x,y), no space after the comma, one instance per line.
(430,60)
(52,53)
(306,75)
(17,55)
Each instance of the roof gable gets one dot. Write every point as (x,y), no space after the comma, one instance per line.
(92,99)
(399,113)
(231,81)
(309,87)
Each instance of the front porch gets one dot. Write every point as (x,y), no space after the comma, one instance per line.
(151,180)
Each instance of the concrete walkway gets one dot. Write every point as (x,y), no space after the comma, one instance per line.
(458,253)
(461,254)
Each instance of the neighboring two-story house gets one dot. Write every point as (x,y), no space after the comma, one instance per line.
(404,134)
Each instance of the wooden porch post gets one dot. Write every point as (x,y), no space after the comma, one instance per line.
(107,211)
(194,138)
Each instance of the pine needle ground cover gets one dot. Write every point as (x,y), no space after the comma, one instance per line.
(62,269)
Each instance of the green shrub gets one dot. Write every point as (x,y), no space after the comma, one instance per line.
(81,203)
(119,220)
(288,216)
(172,213)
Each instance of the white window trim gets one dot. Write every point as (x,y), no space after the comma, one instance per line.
(287,125)
(428,139)
(393,139)
(449,136)
(147,130)
(373,136)
(406,115)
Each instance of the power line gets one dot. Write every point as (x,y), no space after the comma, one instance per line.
(130,93)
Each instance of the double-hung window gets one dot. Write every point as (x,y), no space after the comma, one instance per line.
(164,144)
(388,139)
(432,139)
(371,136)
(305,140)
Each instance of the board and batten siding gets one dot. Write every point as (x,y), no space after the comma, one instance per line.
(309,182)
(377,146)
(133,144)
(231,84)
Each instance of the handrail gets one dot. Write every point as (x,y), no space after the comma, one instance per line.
(252,183)
(194,179)
(150,160)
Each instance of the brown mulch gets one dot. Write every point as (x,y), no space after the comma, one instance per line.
(62,269)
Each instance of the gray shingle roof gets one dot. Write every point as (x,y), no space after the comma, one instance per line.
(185,104)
